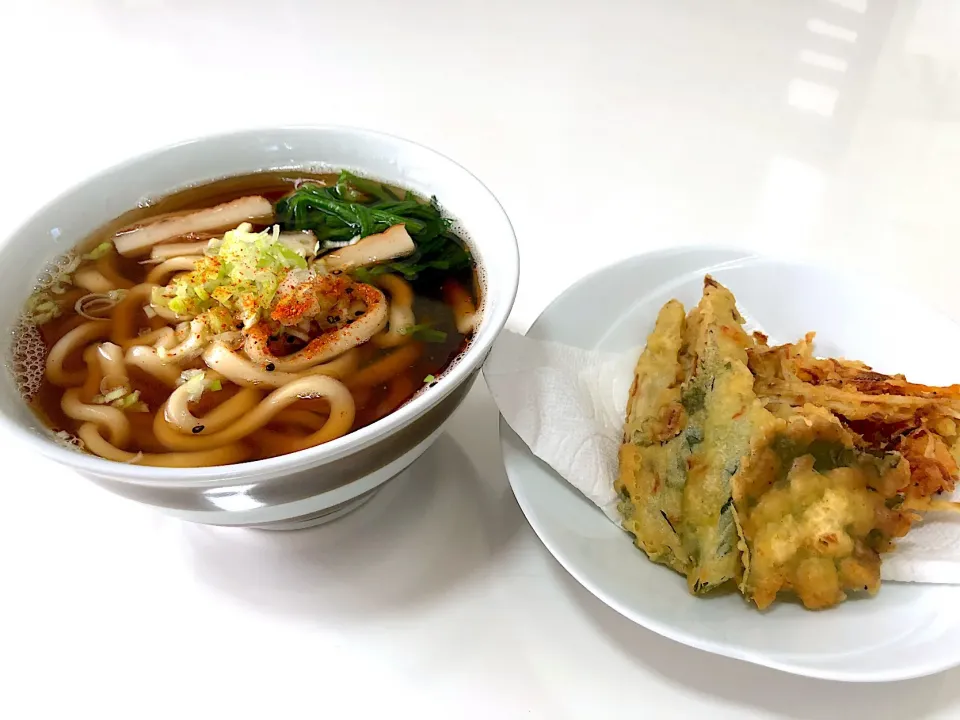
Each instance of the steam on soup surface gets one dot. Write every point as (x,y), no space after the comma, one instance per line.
(247,318)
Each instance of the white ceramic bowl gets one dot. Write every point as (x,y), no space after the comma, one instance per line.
(322,482)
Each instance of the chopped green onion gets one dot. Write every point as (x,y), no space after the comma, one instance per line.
(424,332)
(99,251)
(128,401)
(41,308)
(195,382)
(429,379)
(114,394)
(122,399)
(240,275)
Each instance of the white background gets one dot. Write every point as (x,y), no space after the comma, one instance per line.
(606,128)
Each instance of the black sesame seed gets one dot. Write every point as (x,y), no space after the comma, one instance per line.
(432,384)
(197,429)
(271,367)
(239,326)
(349,291)
(358,313)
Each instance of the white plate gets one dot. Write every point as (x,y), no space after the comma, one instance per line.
(907,630)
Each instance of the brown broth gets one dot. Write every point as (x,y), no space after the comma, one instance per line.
(372,402)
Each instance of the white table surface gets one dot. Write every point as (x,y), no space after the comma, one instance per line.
(607,128)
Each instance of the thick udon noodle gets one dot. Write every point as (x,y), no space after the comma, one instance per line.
(141,384)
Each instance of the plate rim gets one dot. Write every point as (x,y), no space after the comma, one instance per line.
(507,435)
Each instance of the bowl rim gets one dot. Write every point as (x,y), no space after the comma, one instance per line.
(470,360)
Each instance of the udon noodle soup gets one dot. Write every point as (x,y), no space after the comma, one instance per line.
(247,318)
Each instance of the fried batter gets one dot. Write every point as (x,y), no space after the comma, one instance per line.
(787,472)
(692,416)
(720,399)
(650,483)
(815,511)
(888,412)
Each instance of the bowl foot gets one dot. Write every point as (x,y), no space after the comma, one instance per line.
(321,517)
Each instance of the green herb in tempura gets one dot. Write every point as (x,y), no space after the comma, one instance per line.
(357,207)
